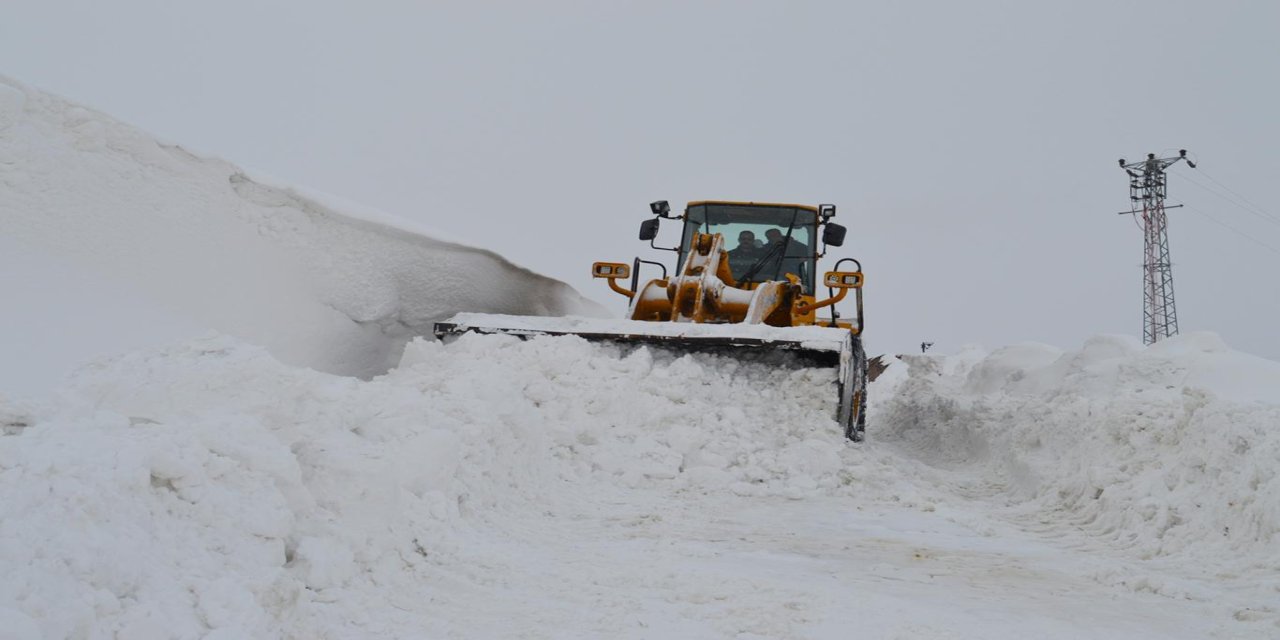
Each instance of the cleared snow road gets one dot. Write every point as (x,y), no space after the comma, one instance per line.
(833,567)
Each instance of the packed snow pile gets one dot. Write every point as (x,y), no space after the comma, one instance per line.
(111,238)
(207,487)
(494,487)
(1168,451)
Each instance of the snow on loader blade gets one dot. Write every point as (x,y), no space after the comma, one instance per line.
(833,348)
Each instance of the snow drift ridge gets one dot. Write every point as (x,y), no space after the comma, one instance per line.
(187,243)
(1167,451)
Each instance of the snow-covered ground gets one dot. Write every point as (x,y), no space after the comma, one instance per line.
(306,471)
(560,489)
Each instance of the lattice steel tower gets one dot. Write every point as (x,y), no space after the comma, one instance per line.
(1148,184)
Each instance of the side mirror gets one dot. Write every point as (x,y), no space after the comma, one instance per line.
(833,234)
(649,229)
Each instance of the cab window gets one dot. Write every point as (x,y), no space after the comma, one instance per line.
(763,242)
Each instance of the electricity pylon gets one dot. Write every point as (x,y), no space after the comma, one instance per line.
(1148,184)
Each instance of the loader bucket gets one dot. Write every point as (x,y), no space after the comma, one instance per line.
(837,349)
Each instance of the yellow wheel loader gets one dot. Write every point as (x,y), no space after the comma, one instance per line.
(758,295)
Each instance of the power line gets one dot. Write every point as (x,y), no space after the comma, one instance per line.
(1242,198)
(1232,229)
(1252,209)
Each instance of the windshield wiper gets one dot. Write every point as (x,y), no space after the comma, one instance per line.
(764,259)
(786,243)
(781,245)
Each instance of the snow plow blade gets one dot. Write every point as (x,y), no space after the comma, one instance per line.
(837,349)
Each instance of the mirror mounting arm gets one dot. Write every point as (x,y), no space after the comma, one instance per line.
(651,244)
(649,231)
(613,284)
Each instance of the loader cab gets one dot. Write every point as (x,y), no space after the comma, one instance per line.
(764,241)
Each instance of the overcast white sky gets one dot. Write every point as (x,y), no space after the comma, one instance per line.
(971,147)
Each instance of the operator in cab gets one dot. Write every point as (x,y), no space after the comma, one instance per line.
(745,254)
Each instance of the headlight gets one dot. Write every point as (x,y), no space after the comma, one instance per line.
(843,279)
(610,270)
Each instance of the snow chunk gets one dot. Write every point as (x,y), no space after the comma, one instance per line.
(323,562)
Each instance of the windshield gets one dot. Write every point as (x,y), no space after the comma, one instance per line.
(764,242)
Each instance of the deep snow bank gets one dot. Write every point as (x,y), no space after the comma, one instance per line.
(207,490)
(94,211)
(1169,451)
(255,499)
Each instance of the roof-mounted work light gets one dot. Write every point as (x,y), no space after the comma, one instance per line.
(660,208)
